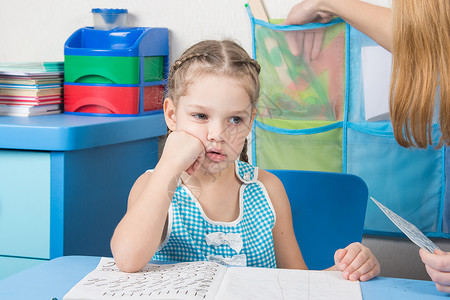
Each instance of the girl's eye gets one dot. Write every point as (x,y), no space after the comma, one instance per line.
(200,116)
(235,120)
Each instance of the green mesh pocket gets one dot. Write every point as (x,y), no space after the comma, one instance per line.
(295,83)
(290,148)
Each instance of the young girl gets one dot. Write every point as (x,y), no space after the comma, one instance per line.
(201,202)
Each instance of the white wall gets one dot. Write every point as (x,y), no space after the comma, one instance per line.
(35,30)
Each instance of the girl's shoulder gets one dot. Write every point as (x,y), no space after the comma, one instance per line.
(276,192)
(271,182)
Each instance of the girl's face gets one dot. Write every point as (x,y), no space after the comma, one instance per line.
(217,111)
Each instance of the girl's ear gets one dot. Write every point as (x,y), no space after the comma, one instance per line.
(169,114)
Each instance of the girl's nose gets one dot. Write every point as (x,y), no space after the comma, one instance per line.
(216,132)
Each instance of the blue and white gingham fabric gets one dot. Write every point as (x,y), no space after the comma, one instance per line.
(188,225)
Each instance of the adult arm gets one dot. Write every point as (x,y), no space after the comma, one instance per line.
(373,20)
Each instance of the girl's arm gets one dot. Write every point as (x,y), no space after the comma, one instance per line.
(140,232)
(373,20)
(142,229)
(287,252)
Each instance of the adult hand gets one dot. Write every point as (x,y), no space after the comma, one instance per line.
(438,267)
(307,11)
(307,43)
(356,262)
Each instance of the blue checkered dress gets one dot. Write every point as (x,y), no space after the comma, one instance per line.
(188,225)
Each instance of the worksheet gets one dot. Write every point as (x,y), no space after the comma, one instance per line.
(210,280)
(190,280)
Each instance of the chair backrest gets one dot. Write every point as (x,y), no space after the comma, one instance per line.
(328,212)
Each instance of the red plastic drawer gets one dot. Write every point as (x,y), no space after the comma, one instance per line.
(101,99)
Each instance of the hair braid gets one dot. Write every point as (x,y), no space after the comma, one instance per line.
(254,64)
(179,62)
(244,157)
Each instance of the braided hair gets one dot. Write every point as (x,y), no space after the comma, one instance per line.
(211,57)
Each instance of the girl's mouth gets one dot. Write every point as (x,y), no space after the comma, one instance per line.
(216,156)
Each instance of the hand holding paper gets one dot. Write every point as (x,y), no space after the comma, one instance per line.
(438,267)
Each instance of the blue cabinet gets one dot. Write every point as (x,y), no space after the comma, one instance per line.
(25,203)
(64,182)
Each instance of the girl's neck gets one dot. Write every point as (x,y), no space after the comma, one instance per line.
(217,193)
(220,195)
(207,179)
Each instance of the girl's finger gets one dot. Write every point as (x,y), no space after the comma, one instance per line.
(338,255)
(371,274)
(348,262)
(368,267)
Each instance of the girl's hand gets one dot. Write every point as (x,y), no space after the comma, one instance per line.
(438,267)
(184,151)
(356,262)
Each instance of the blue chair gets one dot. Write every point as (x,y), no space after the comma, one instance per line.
(328,212)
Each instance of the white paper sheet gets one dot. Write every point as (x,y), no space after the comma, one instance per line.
(263,283)
(209,280)
(376,69)
(194,280)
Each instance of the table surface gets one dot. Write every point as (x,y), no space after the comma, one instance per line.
(65,132)
(55,278)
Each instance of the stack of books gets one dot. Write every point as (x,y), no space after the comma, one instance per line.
(28,89)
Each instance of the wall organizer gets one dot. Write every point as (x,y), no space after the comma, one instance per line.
(312,116)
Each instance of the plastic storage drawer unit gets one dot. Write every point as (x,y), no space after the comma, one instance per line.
(116,72)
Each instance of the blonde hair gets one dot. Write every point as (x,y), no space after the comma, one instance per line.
(218,58)
(420,72)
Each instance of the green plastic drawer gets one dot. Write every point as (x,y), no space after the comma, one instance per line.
(153,68)
(111,69)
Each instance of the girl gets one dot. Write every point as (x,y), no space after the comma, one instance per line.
(201,202)
(417,32)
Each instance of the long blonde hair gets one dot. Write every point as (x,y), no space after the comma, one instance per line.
(420,73)
(211,57)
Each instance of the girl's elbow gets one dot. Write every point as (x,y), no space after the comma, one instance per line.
(126,261)
(128,266)
(129,256)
